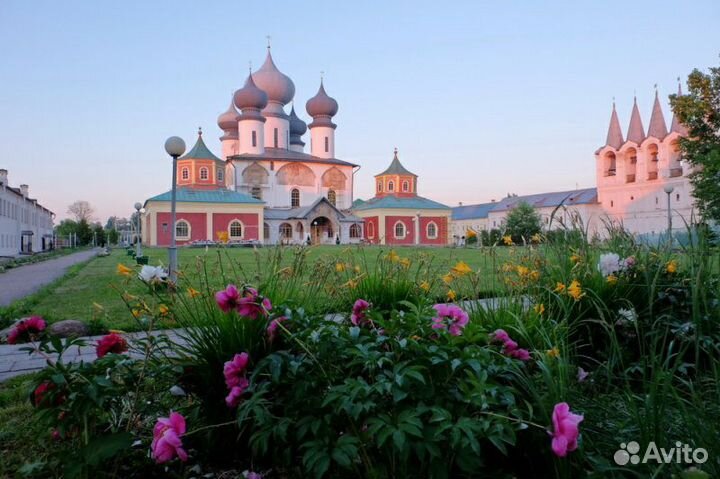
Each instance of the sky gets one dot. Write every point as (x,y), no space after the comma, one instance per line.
(481,98)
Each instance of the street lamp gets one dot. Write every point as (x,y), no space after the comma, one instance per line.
(175,146)
(669,189)
(138,247)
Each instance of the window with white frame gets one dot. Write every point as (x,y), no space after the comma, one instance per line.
(332,197)
(400,230)
(432,230)
(355,231)
(203,173)
(182,230)
(405,186)
(295,198)
(235,230)
(371,229)
(185,174)
(286,231)
(220,174)
(391,186)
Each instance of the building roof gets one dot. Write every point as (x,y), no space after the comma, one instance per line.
(614,136)
(636,132)
(281,154)
(401,202)
(215,195)
(200,151)
(396,168)
(657,127)
(304,212)
(540,200)
(676,126)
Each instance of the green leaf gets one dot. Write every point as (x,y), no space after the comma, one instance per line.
(104,447)
(398,439)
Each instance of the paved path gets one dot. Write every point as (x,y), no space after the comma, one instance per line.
(14,362)
(17,283)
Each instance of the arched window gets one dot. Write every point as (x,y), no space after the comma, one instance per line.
(405,186)
(327,144)
(203,173)
(355,231)
(275,137)
(432,230)
(332,198)
(182,230)
(652,165)
(391,186)
(256,192)
(379,187)
(285,231)
(185,174)
(235,230)
(266,231)
(630,165)
(610,164)
(400,230)
(220,174)
(371,230)
(295,198)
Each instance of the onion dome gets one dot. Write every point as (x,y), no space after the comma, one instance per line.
(297,126)
(321,104)
(228,121)
(250,96)
(278,86)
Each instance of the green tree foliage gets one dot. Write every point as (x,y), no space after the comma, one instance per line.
(99,234)
(66,228)
(699,112)
(523,222)
(84,233)
(113,237)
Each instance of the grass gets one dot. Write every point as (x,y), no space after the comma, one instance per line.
(92,290)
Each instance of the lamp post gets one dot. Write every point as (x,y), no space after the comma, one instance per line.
(669,189)
(174,146)
(138,248)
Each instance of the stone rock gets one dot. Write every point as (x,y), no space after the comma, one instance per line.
(69,328)
(5,332)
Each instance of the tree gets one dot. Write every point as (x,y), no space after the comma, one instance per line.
(113,236)
(84,233)
(522,222)
(66,228)
(81,210)
(98,234)
(699,112)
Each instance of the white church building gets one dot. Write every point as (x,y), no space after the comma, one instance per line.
(26,226)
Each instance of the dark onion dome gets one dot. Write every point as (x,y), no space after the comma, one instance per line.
(297,126)
(250,96)
(321,104)
(229,120)
(278,86)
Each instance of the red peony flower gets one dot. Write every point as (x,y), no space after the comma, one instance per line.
(26,329)
(111,343)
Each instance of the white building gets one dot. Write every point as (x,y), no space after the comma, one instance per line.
(26,227)
(633,178)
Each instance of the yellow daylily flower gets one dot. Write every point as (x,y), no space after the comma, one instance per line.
(507,239)
(351,284)
(553,353)
(448,278)
(357,268)
(451,296)
(536,238)
(193,293)
(559,287)
(671,266)
(534,275)
(339,267)
(393,256)
(539,308)
(425,286)
(461,268)
(612,279)
(522,270)
(575,290)
(163,310)
(405,262)
(575,258)
(123,270)
(136,313)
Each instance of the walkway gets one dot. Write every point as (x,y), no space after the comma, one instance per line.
(20,282)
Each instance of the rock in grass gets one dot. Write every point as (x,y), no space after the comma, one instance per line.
(69,328)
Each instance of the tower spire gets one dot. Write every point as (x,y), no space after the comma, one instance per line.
(614,136)
(657,127)
(636,132)
(676,126)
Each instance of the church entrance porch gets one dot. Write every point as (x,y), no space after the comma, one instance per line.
(322,231)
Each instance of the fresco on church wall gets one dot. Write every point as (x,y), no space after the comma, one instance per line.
(295,174)
(334,179)
(255,175)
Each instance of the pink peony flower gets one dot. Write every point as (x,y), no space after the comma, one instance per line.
(26,329)
(252,305)
(228,299)
(500,335)
(521,354)
(273,326)
(111,343)
(40,395)
(234,370)
(510,348)
(357,318)
(166,442)
(451,318)
(233,398)
(565,429)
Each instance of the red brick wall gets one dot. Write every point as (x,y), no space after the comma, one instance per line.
(375,229)
(198,227)
(442,230)
(249,221)
(390,230)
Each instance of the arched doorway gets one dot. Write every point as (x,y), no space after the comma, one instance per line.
(321,230)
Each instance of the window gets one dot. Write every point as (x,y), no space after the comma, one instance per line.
(185,174)
(656,200)
(431,230)
(182,230)
(332,198)
(254,138)
(275,137)
(256,192)
(203,173)
(266,231)
(220,174)
(295,198)
(677,197)
(235,230)
(355,231)
(327,144)
(406,186)
(165,227)
(391,186)
(371,230)
(612,203)
(285,231)
(400,230)
(379,187)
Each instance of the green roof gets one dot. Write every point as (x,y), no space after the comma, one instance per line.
(396,168)
(215,195)
(200,151)
(398,202)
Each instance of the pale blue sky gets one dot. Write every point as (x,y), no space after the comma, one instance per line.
(481,98)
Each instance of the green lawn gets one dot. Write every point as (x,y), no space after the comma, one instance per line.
(96,282)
